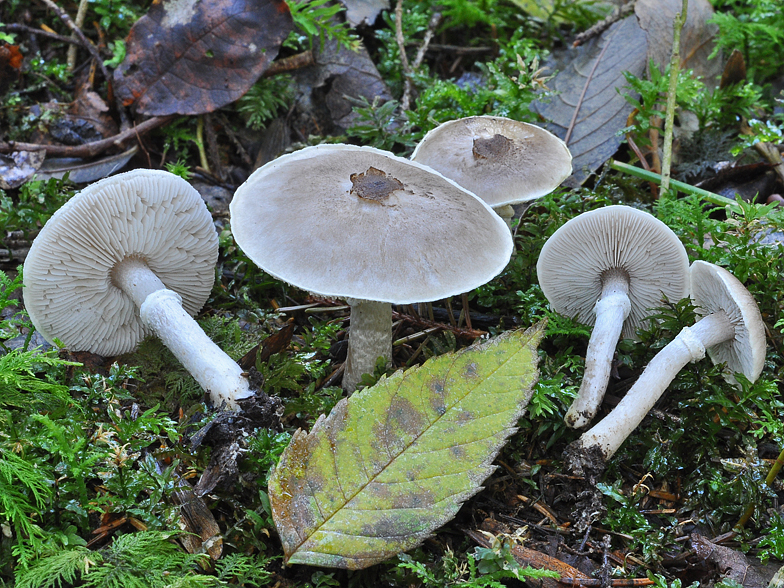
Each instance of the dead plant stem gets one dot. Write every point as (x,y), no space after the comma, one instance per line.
(675,67)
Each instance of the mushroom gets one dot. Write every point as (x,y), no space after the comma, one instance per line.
(131,254)
(362,224)
(732,332)
(503,161)
(607,267)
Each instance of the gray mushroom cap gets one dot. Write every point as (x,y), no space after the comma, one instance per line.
(147,214)
(714,289)
(575,258)
(503,161)
(358,222)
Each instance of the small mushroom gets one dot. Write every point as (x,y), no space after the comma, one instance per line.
(732,332)
(131,254)
(362,224)
(607,267)
(503,161)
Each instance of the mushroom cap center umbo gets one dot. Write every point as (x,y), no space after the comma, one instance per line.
(493,148)
(374,185)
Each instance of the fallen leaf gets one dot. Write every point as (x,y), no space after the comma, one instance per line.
(589,110)
(352,74)
(84,172)
(192,57)
(656,18)
(271,345)
(11,59)
(394,462)
(730,564)
(363,11)
(20,166)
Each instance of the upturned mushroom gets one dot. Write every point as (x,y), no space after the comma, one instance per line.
(130,255)
(364,225)
(732,332)
(607,268)
(503,161)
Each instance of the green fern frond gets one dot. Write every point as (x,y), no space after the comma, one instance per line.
(24,491)
(20,383)
(148,559)
(62,568)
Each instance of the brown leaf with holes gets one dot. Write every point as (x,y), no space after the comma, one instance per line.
(192,57)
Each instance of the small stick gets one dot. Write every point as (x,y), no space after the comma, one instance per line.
(615,582)
(88,149)
(408,69)
(669,120)
(78,21)
(291,63)
(415,336)
(14,27)
(124,123)
(324,309)
(651,176)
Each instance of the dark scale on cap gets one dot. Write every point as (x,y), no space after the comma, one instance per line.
(374,185)
(493,148)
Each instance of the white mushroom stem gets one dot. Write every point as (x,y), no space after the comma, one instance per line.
(689,345)
(161,311)
(370,337)
(506,212)
(611,311)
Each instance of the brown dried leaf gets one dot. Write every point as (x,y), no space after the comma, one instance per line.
(20,166)
(81,171)
(192,57)
(656,18)
(352,75)
(588,106)
(363,11)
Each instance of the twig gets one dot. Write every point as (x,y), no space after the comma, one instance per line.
(711,197)
(14,27)
(601,26)
(408,68)
(88,149)
(205,164)
(431,30)
(669,120)
(93,50)
(78,21)
(458,49)
(401,46)
(290,63)
(614,582)
(424,324)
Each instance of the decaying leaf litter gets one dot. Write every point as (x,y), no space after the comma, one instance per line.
(663,510)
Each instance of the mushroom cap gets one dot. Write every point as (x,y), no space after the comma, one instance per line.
(152,215)
(713,288)
(358,222)
(503,161)
(589,246)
